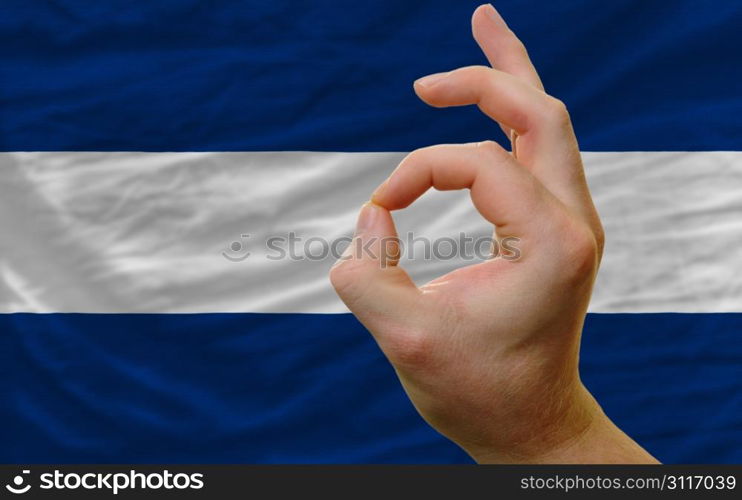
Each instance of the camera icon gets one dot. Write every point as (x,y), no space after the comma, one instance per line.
(17,487)
(237,250)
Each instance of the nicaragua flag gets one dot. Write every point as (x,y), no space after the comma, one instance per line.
(150,151)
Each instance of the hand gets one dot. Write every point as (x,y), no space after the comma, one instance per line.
(488,354)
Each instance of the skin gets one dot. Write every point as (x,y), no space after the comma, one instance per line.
(488,354)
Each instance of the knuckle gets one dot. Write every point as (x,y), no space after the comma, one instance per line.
(489,149)
(410,348)
(479,70)
(481,75)
(599,238)
(340,277)
(346,278)
(491,153)
(557,110)
(580,253)
(417,154)
(517,45)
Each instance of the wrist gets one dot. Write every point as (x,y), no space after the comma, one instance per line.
(583,433)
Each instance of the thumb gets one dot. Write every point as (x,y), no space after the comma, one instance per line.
(367,277)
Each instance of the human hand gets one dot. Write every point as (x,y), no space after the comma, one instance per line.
(488,353)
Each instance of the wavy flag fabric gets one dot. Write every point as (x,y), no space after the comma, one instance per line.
(157,160)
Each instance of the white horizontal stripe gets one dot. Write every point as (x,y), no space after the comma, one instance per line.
(146,232)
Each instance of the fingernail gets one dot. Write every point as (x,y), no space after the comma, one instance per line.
(494,15)
(367,218)
(430,80)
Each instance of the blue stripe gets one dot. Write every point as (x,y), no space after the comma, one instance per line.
(180,75)
(314,388)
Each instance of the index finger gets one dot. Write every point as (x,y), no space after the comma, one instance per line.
(504,192)
(541,121)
